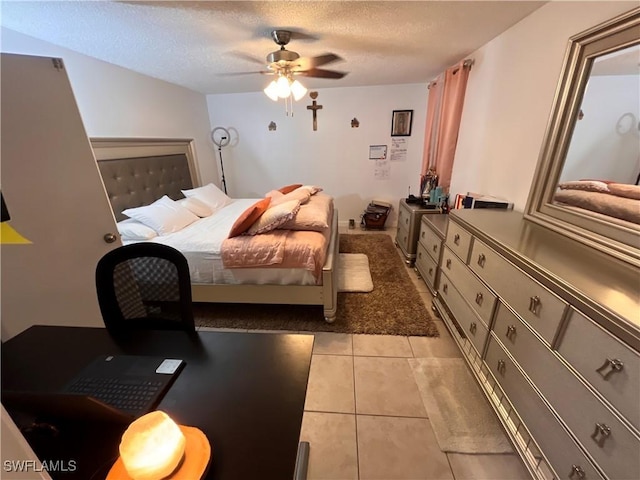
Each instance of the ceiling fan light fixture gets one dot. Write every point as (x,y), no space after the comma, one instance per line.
(284,87)
(271,91)
(298,90)
(285,64)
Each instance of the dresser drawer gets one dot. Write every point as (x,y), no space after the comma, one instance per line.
(431,242)
(470,287)
(402,239)
(561,451)
(610,366)
(473,328)
(616,454)
(609,442)
(404,216)
(458,240)
(427,266)
(542,309)
(541,365)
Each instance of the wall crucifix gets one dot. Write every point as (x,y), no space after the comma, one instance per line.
(314,107)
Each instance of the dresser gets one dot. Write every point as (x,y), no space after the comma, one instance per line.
(551,330)
(408,229)
(433,229)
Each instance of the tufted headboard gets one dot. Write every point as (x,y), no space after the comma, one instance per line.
(133,182)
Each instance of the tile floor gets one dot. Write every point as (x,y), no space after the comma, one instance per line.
(364,417)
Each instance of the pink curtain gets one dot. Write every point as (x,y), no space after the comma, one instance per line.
(433,115)
(455,85)
(444,112)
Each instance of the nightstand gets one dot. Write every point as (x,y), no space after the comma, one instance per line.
(409,216)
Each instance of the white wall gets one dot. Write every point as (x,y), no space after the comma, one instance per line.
(509,98)
(116,102)
(336,156)
(608,131)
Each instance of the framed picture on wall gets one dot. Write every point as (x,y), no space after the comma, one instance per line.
(401,123)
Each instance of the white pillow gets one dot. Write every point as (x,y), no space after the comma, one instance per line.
(273,217)
(164,216)
(196,206)
(209,194)
(587,185)
(133,230)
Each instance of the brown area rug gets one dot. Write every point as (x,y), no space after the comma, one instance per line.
(394,307)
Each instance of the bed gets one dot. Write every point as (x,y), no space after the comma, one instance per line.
(137,181)
(618,200)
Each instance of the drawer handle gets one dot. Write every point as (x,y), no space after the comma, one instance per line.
(445,288)
(431,271)
(406,220)
(448,263)
(479,298)
(422,234)
(601,433)
(456,239)
(511,332)
(501,367)
(534,305)
(472,327)
(578,472)
(435,248)
(615,365)
(419,254)
(481,260)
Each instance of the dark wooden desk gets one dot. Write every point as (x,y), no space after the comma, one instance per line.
(245,391)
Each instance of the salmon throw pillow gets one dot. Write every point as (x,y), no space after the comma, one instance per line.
(249,217)
(289,188)
(275,216)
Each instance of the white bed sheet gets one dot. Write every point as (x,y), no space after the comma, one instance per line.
(201,243)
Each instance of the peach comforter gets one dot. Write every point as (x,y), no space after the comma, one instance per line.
(302,242)
(617,200)
(279,248)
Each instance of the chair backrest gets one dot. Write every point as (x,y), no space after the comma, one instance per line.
(145,285)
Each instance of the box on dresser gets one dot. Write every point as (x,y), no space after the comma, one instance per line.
(475,200)
(554,325)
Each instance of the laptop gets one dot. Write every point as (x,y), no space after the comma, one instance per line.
(112,388)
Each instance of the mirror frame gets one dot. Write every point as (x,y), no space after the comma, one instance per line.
(608,235)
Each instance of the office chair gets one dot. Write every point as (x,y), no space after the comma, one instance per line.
(145,286)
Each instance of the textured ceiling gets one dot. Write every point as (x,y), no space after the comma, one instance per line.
(194,44)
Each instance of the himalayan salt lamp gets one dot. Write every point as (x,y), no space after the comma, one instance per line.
(152,447)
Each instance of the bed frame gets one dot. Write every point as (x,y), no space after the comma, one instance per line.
(132,180)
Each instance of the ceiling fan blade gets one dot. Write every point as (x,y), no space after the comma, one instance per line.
(307,63)
(321,73)
(235,74)
(248,58)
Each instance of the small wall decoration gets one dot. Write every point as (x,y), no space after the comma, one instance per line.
(272,126)
(314,107)
(355,123)
(401,123)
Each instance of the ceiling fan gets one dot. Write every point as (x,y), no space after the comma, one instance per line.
(285,64)
(290,61)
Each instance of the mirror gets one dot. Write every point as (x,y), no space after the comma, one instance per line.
(586,183)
